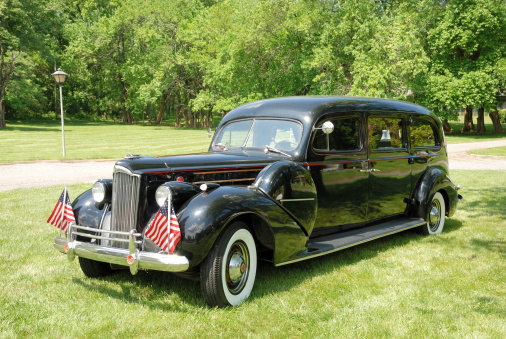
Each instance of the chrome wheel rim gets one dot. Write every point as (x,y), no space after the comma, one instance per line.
(237,268)
(435,215)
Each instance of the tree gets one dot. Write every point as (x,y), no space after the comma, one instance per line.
(390,60)
(465,44)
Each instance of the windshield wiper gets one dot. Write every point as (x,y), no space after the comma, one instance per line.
(275,150)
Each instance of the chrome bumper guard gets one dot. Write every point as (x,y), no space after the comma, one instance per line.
(131,257)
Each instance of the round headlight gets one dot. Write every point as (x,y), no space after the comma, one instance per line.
(98,191)
(161,194)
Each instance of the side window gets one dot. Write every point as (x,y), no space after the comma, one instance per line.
(385,133)
(423,134)
(344,138)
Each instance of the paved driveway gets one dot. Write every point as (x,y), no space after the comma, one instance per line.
(52,173)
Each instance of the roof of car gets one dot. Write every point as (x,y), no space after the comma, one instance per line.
(312,107)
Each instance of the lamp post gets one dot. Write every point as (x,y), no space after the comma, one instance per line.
(60,77)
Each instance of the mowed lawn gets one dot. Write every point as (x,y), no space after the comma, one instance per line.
(406,285)
(42,140)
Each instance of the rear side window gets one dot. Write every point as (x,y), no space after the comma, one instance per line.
(423,134)
(344,138)
(385,133)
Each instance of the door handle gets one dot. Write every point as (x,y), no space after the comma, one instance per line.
(370,170)
(411,161)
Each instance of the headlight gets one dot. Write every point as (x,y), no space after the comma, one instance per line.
(98,191)
(161,194)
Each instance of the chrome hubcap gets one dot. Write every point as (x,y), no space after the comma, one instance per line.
(434,215)
(237,268)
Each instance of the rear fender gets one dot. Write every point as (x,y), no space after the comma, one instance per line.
(432,181)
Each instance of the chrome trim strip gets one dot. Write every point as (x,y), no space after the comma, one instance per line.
(146,260)
(138,242)
(85,228)
(305,199)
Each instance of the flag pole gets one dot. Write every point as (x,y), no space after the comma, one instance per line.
(63,209)
(169,213)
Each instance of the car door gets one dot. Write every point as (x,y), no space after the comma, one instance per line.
(389,166)
(425,147)
(338,163)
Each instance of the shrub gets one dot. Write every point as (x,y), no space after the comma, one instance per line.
(502,115)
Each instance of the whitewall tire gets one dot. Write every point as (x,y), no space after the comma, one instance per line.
(435,216)
(227,275)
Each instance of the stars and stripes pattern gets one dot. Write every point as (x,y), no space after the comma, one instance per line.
(165,232)
(62,214)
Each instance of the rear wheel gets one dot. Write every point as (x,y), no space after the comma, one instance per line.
(227,275)
(436,216)
(94,269)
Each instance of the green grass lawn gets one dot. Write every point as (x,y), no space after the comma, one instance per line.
(406,285)
(42,140)
(496,151)
(456,137)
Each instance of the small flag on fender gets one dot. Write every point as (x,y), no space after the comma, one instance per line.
(62,214)
(165,233)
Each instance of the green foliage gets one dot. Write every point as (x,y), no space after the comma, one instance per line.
(502,115)
(144,60)
(463,47)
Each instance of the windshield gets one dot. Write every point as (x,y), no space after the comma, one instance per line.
(258,133)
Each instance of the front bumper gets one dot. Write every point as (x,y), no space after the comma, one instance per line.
(131,257)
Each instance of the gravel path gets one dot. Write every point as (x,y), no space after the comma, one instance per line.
(459,159)
(52,173)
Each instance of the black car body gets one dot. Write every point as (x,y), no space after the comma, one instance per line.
(284,180)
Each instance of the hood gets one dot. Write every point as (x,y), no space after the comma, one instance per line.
(202,161)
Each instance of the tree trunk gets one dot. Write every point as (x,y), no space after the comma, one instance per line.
(126,115)
(2,113)
(480,128)
(494,116)
(468,120)
(161,111)
(446,126)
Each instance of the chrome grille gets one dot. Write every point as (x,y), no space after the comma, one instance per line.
(125,202)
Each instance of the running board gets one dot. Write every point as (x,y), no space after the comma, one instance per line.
(339,241)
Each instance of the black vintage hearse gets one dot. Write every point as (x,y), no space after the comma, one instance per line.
(284,180)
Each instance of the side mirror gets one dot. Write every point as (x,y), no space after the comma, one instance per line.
(328,127)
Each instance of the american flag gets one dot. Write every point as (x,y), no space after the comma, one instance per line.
(62,214)
(164,236)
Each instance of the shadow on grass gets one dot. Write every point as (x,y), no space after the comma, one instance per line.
(166,291)
(490,202)
(133,289)
(295,274)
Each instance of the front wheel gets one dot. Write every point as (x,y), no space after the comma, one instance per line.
(228,273)
(94,269)
(436,216)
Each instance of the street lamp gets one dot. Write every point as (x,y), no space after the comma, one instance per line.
(60,77)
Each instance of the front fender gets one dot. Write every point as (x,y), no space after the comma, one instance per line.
(292,188)
(205,216)
(86,211)
(432,181)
